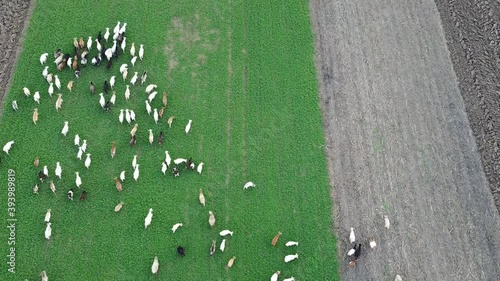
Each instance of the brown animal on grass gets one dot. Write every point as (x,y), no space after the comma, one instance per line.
(275,239)
(118,185)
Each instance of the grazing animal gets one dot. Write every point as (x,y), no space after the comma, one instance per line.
(89,42)
(175,227)
(275,239)
(132,49)
(70,85)
(81,43)
(48,233)
(160,138)
(117,28)
(141,51)
(26,91)
(92,88)
(113,98)
(44,276)
(155,115)
(150,88)
(123,28)
(112,82)
(248,185)
(79,153)
(57,82)
(120,116)
(149,217)
(45,171)
(132,115)
(134,79)
(58,171)
(387,223)
(14,105)
(36,97)
(35,115)
(144,76)
(179,161)
(43,58)
(152,96)
(113,149)
(136,172)
(84,145)
(231,262)
(190,164)
(200,168)
(134,130)
(155,266)
(45,72)
(124,74)
(170,120)
(83,196)
(202,198)
(109,54)
(133,60)
(188,126)
(109,64)
(161,112)
(373,244)
(35,189)
(181,251)
(36,162)
(274,277)
(118,185)
(211,219)
(164,99)
(106,34)
(133,141)
(59,101)
(151,136)
(47,216)
(291,243)
(175,171)
(222,245)
(212,248)
(289,279)
(75,66)
(87,161)
(70,194)
(65,128)
(148,107)
(164,167)
(41,176)
(118,207)
(290,258)
(78,180)
(226,232)
(51,89)
(168,159)
(127,93)
(102,101)
(52,187)
(105,87)
(398,278)
(352,237)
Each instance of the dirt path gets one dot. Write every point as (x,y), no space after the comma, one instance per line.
(399,144)
(13,15)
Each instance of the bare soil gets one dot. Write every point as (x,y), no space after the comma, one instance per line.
(395,97)
(409,91)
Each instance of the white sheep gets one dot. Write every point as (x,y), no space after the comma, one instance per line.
(176,226)
(149,217)
(127,116)
(200,168)
(59,101)
(134,79)
(155,266)
(352,237)
(132,50)
(211,219)
(148,107)
(133,60)
(168,159)
(48,231)
(155,115)
(136,172)
(89,43)
(120,116)
(65,128)
(202,198)
(87,161)
(106,34)
(275,275)
(222,245)
(78,180)
(77,140)
(188,126)
(14,105)
(387,222)
(47,216)
(51,89)
(164,167)
(36,97)
(43,58)
(113,98)
(134,161)
(122,176)
(79,153)
(152,96)
(248,185)
(179,161)
(141,51)
(8,146)
(102,100)
(57,82)
(58,171)
(44,276)
(132,115)
(84,145)
(26,91)
(290,258)
(118,207)
(291,243)
(226,232)
(289,279)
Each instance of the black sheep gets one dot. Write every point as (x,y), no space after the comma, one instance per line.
(181,251)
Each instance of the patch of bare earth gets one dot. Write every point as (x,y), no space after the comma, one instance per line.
(400,144)
(14,15)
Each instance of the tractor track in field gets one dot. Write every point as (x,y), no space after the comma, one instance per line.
(14,15)
(407,89)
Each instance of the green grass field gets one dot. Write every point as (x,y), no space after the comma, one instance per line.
(244,73)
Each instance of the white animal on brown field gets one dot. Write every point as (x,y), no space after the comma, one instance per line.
(202,198)
(118,207)
(211,219)
(134,130)
(59,101)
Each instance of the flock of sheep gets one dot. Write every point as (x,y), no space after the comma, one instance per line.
(75,62)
